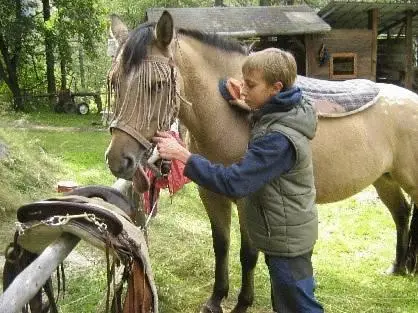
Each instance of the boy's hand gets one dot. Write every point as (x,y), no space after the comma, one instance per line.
(169,148)
(240,103)
(234,88)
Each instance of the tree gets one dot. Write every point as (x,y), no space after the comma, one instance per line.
(80,25)
(15,24)
(49,51)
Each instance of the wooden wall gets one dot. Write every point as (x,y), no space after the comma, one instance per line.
(391,61)
(339,41)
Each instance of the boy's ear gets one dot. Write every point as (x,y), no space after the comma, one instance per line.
(277,87)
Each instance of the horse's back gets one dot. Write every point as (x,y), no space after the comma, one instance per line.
(400,109)
(394,93)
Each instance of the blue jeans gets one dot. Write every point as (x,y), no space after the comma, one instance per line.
(292,284)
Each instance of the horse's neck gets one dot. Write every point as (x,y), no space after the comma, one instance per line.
(201,67)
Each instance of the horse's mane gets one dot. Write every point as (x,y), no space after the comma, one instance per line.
(214,40)
(135,48)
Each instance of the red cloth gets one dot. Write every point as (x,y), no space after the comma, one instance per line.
(174,181)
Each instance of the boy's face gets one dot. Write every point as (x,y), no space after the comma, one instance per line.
(256,91)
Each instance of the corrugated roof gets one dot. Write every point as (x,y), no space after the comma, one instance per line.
(344,14)
(246,21)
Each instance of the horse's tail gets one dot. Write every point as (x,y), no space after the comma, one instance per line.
(413,241)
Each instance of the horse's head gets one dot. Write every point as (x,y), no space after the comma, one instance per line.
(143,82)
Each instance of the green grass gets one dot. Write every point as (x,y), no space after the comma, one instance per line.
(356,240)
(48,118)
(81,152)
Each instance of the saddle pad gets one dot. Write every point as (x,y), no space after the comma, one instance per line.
(338,98)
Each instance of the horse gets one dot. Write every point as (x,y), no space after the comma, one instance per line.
(161,72)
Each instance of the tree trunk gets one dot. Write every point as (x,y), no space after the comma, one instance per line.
(81,62)
(9,75)
(15,89)
(49,54)
(9,66)
(63,74)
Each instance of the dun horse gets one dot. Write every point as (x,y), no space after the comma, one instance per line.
(161,71)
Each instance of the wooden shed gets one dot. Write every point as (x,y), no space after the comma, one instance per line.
(375,40)
(272,26)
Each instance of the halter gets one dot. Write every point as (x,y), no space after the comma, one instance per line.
(165,71)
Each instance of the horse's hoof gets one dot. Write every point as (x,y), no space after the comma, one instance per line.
(412,265)
(239,310)
(396,270)
(211,308)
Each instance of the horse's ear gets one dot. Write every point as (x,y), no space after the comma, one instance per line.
(164,31)
(118,29)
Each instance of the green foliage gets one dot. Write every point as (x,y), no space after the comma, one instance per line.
(74,26)
(81,20)
(134,12)
(15,24)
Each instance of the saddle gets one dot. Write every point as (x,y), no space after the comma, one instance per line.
(338,98)
(330,98)
(85,213)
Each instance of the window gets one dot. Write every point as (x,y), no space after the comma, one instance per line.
(343,66)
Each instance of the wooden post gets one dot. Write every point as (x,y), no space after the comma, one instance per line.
(308,49)
(373,22)
(32,278)
(409,77)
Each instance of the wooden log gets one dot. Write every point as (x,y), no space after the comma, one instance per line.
(32,278)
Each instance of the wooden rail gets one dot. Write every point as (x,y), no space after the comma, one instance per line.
(26,285)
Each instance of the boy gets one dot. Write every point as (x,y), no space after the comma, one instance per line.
(275,176)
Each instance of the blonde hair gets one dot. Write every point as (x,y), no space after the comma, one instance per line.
(277,65)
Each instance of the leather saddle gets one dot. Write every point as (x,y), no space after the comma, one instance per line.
(99,215)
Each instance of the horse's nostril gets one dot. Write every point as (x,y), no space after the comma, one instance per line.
(128,162)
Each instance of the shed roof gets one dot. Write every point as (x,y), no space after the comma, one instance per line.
(246,21)
(344,14)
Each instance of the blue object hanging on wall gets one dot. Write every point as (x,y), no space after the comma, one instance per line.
(323,55)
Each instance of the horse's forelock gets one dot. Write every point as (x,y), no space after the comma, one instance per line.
(135,48)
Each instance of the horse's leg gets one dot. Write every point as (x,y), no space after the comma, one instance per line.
(218,209)
(391,195)
(411,260)
(406,173)
(412,253)
(248,258)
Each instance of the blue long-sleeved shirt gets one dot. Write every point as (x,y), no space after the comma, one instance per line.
(266,158)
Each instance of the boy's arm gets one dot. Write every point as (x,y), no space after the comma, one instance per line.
(265,159)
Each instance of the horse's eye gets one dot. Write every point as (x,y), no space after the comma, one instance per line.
(157,86)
